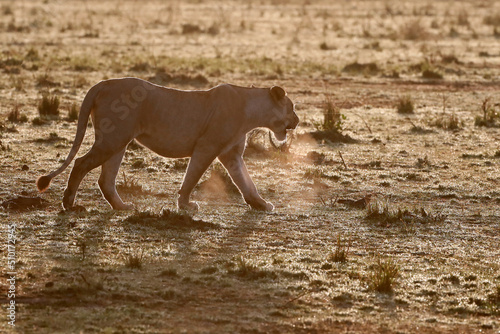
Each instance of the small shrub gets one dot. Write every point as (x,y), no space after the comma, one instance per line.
(49,106)
(180,164)
(73,113)
(138,163)
(44,80)
(358,68)
(490,115)
(170,272)
(384,276)
(248,270)
(414,31)
(447,122)
(463,18)
(189,28)
(333,124)
(384,214)
(134,260)
(313,173)
(32,55)
(130,186)
(169,294)
(406,105)
(496,32)
(492,20)
(431,74)
(332,117)
(494,297)
(18,83)
(15,116)
(325,47)
(82,244)
(38,121)
(341,250)
(7,10)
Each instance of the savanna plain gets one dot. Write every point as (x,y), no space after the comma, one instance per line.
(387,198)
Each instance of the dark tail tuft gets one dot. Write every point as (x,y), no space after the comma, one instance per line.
(43,183)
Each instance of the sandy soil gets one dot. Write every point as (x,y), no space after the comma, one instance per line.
(415,196)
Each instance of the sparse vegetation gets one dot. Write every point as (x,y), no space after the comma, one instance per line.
(341,252)
(385,214)
(417,189)
(331,127)
(364,69)
(384,276)
(15,116)
(73,113)
(406,105)
(248,270)
(490,117)
(414,30)
(332,117)
(49,107)
(130,185)
(492,20)
(134,259)
(447,122)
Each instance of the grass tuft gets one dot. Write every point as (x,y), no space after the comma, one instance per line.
(431,74)
(384,214)
(341,252)
(130,186)
(248,270)
(333,123)
(384,275)
(447,122)
(134,259)
(406,105)
(490,117)
(15,116)
(414,31)
(49,107)
(492,20)
(73,113)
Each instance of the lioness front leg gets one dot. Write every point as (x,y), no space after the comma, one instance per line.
(233,162)
(198,164)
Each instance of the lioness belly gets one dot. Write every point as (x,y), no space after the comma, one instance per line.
(167,147)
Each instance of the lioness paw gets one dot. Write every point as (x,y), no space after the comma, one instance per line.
(269,206)
(262,206)
(189,206)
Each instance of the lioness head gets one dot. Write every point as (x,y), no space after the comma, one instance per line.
(284,117)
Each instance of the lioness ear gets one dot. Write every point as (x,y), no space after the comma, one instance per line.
(277,93)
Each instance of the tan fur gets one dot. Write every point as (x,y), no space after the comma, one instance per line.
(203,125)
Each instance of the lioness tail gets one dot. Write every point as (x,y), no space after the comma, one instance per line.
(43,182)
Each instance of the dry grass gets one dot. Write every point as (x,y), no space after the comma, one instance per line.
(312,265)
(406,105)
(341,252)
(49,106)
(384,275)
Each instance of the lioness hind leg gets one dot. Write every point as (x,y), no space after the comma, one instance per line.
(94,158)
(107,182)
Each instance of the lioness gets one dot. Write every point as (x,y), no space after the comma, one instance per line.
(203,125)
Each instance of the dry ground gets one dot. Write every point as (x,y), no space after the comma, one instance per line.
(418,192)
